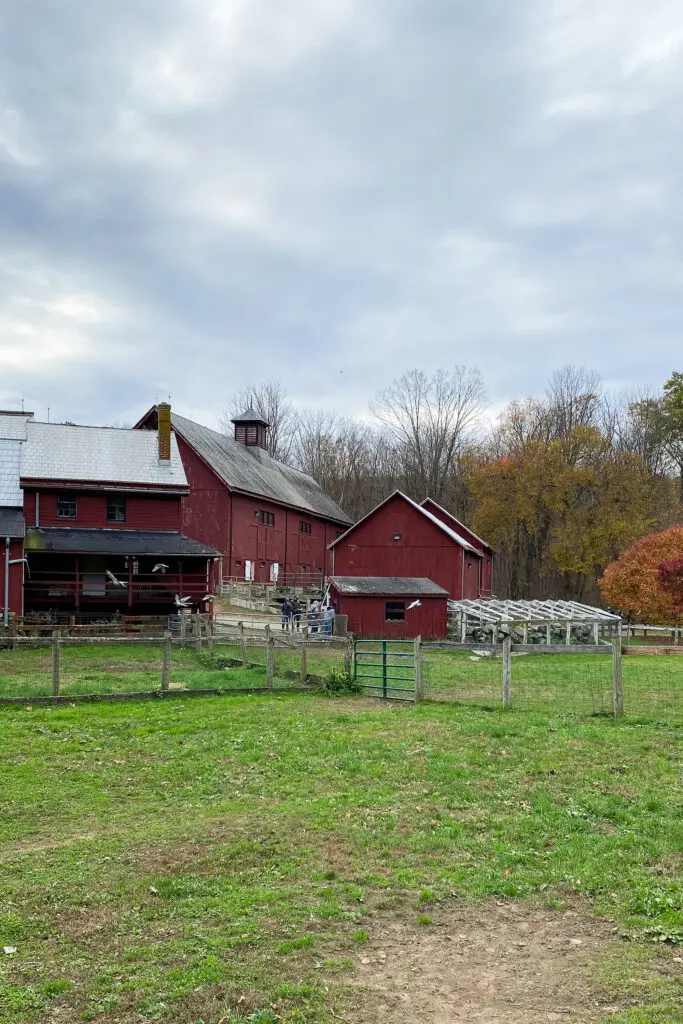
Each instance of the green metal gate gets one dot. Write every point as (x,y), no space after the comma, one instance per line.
(385,668)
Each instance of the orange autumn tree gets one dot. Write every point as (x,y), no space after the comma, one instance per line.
(633,583)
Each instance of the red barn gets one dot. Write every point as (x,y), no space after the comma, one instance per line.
(487,552)
(400,537)
(268,520)
(95,521)
(391,607)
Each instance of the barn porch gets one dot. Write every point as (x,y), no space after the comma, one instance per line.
(107,571)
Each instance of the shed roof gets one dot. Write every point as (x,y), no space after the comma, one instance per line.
(11,522)
(252,470)
(423,512)
(57,451)
(387,586)
(114,542)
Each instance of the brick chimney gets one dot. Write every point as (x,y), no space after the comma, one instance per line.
(164,431)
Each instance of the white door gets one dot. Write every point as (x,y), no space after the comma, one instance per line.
(274,571)
(248,570)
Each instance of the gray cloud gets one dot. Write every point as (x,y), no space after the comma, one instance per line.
(195,196)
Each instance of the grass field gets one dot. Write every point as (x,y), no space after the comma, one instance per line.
(253,858)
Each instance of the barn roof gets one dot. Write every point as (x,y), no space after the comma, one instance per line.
(457,523)
(252,470)
(423,512)
(57,451)
(114,542)
(387,586)
(11,522)
(250,416)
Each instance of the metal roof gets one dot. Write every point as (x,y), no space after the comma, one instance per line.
(250,416)
(55,451)
(423,512)
(113,542)
(253,471)
(387,586)
(11,522)
(492,610)
(457,522)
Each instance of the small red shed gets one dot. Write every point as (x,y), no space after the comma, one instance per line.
(391,607)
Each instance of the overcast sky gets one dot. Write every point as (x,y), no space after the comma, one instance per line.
(199,194)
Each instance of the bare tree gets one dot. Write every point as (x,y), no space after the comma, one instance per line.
(268,399)
(430,422)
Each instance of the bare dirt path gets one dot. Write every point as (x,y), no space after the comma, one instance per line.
(502,964)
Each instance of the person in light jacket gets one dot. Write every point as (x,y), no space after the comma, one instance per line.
(328,620)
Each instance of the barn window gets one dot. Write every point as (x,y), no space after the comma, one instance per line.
(397,536)
(116,510)
(395,611)
(66,506)
(265,518)
(304,527)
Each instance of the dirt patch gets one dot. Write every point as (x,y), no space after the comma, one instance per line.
(49,844)
(499,964)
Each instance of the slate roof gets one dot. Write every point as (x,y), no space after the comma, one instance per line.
(252,470)
(113,542)
(423,511)
(13,426)
(10,461)
(11,523)
(55,451)
(388,586)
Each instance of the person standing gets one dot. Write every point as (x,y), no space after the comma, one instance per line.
(313,617)
(296,614)
(328,620)
(286,613)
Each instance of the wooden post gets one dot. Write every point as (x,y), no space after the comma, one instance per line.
(347,659)
(596,633)
(568,634)
(463,626)
(617,683)
(303,663)
(525,633)
(183,623)
(243,643)
(267,631)
(547,635)
(196,631)
(55,662)
(270,663)
(417,654)
(166,664)
(507,671)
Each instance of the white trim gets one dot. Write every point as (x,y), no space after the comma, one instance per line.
(456,520)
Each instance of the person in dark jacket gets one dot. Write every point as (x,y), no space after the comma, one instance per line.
(286,613)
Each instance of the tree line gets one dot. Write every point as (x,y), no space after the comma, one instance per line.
(558,485)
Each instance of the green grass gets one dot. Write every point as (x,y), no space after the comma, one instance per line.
(194,860)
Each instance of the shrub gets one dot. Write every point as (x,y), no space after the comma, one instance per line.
(338,681)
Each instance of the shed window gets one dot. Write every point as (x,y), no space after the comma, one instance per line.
(304,527)
(66,506)
(395,611)
(116,510)
(265,518)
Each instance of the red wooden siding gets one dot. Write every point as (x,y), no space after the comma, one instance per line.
(143,511)
(486,571)
(206,509)
(423,550)
(16,578)
(367,616)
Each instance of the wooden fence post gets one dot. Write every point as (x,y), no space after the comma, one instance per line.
(303,663)
(56,658)
(183,624)
(270,663)
(166,663)
(417,653)
(596,634)
(243,644)
(348,651)
(507,671)
(617,683)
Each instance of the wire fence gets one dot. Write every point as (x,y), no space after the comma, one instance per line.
(591,680)
(63,667)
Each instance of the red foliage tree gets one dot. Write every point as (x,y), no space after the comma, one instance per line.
(671,581)
(634,583)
